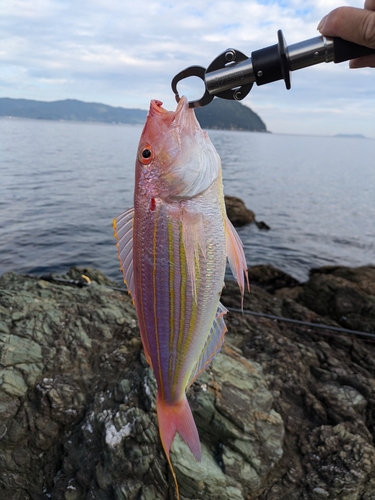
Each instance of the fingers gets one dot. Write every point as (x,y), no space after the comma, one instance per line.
(369,4)
(349,23)
(362,62)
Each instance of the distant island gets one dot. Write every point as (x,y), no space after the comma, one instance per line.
(220,114)
(229,115)
(351,136)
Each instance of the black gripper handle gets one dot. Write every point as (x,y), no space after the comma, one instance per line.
(344,51)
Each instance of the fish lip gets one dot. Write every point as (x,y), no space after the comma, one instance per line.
(156,106)
(183,116)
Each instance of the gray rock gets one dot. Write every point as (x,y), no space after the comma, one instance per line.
(284,411)
(322,383)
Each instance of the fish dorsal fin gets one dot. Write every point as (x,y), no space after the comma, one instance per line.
(123,232)
(194,241)
(236,257)
(213,343)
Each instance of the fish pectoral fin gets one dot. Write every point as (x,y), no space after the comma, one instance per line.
(194,242)
(123,232)
(236,257)
(213,343)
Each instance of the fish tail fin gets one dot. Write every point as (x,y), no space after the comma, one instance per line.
(174,418)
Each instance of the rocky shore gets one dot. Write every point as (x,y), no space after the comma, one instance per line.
(285,411)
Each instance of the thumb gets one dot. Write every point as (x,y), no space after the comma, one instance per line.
(352,24)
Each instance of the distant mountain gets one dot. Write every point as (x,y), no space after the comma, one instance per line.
(219,114)
(70,109)
(229,115)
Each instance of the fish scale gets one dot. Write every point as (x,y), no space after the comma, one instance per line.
(173,318)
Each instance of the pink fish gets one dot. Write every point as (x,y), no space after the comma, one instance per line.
(173,247)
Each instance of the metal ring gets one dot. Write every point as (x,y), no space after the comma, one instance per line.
(198,71)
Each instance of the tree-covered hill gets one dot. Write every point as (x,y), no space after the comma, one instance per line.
(229,115)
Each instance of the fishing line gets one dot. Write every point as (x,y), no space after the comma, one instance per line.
(300,322)
(85,281)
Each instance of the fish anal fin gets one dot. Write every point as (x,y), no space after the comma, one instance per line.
(213,343)
(177,417)
(236,257)
(194,241)
(123,232)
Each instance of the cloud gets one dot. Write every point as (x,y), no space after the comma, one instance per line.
(106,51)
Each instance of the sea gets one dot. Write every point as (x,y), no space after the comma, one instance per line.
(62,183)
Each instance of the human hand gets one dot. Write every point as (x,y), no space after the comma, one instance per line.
(354,25)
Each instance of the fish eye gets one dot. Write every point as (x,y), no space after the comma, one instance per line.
(145,155)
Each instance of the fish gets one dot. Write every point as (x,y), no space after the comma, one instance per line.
(173,247)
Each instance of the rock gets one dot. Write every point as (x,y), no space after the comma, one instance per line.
(322,384)
(237,212)
(120,427)
(363,276)
(284,410)
(239,215)
(345,295)
(328,450)
(262,225)
(271,278)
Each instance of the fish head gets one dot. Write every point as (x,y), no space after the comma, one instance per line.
(176,159)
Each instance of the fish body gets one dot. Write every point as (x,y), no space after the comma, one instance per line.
(173,246)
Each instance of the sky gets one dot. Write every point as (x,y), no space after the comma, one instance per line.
(125,53)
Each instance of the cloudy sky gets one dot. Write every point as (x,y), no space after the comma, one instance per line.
(124,53)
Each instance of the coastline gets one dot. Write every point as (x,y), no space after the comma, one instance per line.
(280,403)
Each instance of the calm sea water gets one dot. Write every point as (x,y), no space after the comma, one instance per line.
(61,184)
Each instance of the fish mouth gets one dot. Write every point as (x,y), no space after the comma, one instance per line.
(183,117)
(156,106)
